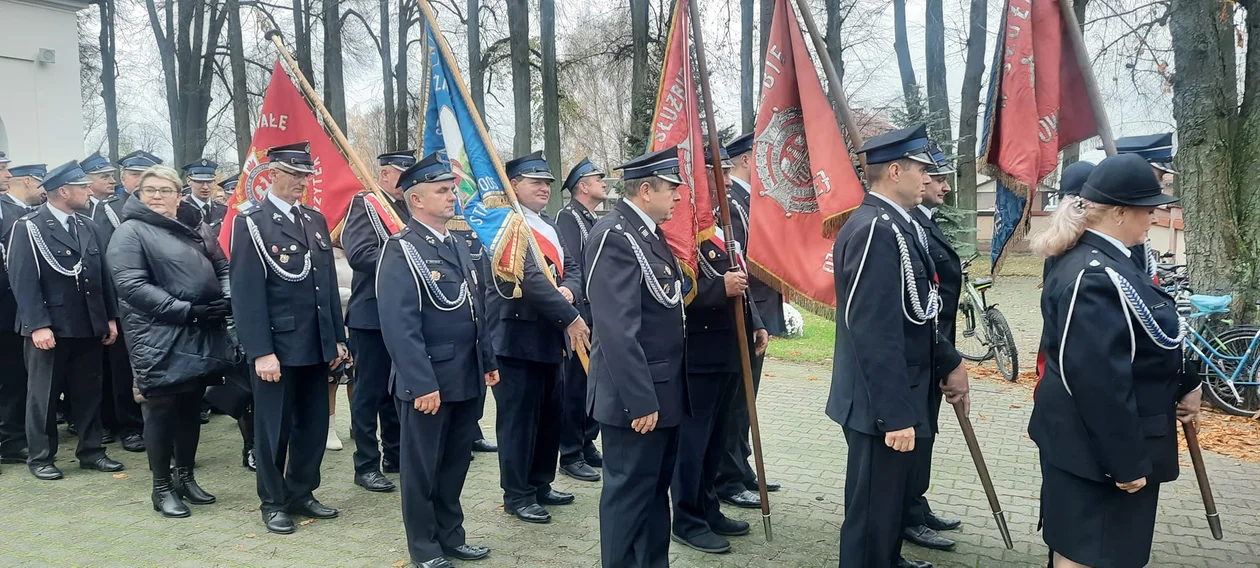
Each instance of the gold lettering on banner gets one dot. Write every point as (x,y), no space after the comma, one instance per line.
(1048,127)
(775,52)
(672,104)
(829,265)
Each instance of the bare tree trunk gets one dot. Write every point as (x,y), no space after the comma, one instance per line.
(405,132)
(387,77)
(109,76)
(1217,150)
(302,39)
(835,43)
(518,36)
(748,112)
(551,97)
(968,117)
(641,86)
(476,72)
(767,16)
(334,63)
(240,92)
(937,87)
(166,54)
(901,44)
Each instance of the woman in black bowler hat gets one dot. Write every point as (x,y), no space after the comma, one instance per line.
(1113,390)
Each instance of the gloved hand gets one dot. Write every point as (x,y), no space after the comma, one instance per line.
(215,311)
(220,309)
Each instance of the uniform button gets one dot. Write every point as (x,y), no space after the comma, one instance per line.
(317,288)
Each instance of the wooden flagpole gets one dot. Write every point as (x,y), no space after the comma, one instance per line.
(532,243)
(1073,27)
(360,170)
(737,304)
(834,88)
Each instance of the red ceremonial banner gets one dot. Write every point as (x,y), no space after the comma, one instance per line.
(1035,110)
(802,178)
(677,122)
(287,119)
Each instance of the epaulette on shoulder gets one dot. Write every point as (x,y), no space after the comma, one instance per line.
(28,216)
(110,199)
(400,234)
(248,208)
(311,209)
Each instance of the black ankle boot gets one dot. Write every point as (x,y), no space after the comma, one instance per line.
(166,501)
(186,486)
(246,424)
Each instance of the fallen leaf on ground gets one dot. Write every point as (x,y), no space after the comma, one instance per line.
(1016,406)
(306,522)
(399,564)
(813,377)
(250,535)
(121,475)
(239,547)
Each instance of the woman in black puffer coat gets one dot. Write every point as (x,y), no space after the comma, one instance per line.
(172,287)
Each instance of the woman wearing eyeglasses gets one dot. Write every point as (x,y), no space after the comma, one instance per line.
(1107,406)
(172,287)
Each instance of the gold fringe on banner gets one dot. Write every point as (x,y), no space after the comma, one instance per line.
(790,294)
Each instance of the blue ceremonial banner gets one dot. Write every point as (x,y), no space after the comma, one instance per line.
(1010,222)
(451,126)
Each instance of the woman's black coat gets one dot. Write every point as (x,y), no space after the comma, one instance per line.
(161,267)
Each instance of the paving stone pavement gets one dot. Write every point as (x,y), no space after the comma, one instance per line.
(95,519)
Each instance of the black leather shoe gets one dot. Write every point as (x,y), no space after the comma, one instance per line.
(729,527)
(580,471)
(927,538)
(186,486)
(467,552)
(554,497)
(389,466)
(167,501)
(485,446)
(744,500)
(903,563)
(593,457)
(46,472)
(107,437)
(439,562)
(770,487)
(247,459)
(133,442)
(938,524)
(17,457)
(278,522)
(61,418)
(71,429)
(204,417)
(103,464)
(706,542)
(314,509)
(532,514)
(374,481)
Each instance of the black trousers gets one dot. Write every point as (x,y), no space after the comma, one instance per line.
(121,413)
(876,485)
(290,423)
(634,505)
(917,508)
(701,444)
(734,473)
(12,394)
(436,450)
(577,430)
(73,366)
(372,405)
(528,427)
(172,425)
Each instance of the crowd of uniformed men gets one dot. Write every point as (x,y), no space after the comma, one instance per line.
(431,326)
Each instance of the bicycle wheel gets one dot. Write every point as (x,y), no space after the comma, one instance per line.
(1005,353)
(972,336)
(1233,343)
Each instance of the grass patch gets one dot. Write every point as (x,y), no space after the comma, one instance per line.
(816,346)
(1015,265)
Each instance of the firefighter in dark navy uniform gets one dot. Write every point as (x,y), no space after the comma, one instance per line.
(637,388)
(887,349)
(481,260)
(289,322)
(371,406)
(578,455)
(1107,407)
(431,320)
(200,176)
(1157,150)
(921,524)
(530,341)
(13,380)
(67,310)
(713,374)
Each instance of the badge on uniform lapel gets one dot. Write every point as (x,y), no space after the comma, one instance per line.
(275,216)
(668,272)
(436,275)
(468,242)
(305,216)
(712,255)
(319,236)
(284,259)
(275,249)
(644,232)
(618,227)
(429,239)
(885,217)
(293,248)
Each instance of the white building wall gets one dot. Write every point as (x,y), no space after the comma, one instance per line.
(41,112)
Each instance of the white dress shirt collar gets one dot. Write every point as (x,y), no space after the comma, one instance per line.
(60,215)
(441,235)
(894,205)
(651,225)
(927,210)
(1114,241)
(282,205)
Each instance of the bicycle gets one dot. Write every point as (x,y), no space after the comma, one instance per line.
(985,333)
(1228,362)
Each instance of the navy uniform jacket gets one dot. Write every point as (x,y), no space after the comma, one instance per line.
(72,307)
(300,322)
(434,348)
(480,259)
(362,242)
(574,222)
(711,339)
(949,274)
(1106,406)
(532,326)
(10,212)
(217,212)
(883,378)
(108,214)
(740,200)
(638,359)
